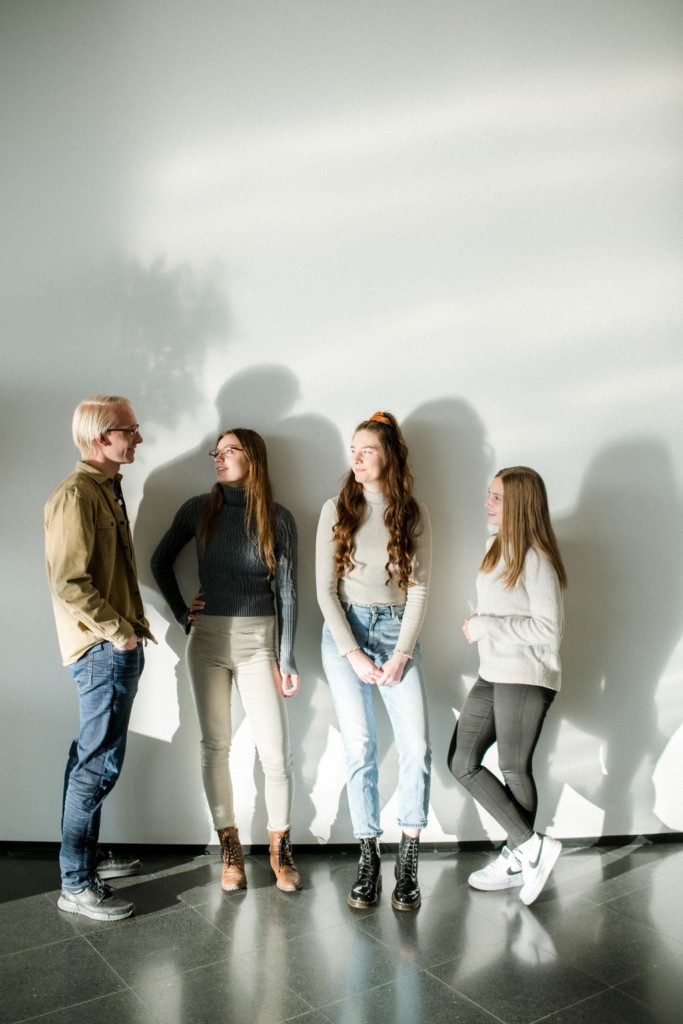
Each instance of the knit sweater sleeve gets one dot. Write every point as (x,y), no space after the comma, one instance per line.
(544,622)
(327,583)
(416,596)
(181,531)
(285,587)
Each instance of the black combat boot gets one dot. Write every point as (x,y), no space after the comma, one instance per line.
(406,895)
(368,885)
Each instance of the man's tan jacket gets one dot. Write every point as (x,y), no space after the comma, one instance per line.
(91,565)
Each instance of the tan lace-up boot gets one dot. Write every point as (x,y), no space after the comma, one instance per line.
(287,877)
(233,876)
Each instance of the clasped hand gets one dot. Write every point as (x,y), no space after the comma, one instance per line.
(389,674)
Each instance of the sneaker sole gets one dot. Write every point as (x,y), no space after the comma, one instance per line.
(514,883)
(534,891)
(118,872)
(92,913)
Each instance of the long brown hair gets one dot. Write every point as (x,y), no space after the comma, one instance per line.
(402,516)
(525,524)
(260,513)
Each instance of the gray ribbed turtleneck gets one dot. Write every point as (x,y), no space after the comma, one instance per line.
(233,579)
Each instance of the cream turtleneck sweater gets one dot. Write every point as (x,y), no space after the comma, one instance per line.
(367,583)
(519,630)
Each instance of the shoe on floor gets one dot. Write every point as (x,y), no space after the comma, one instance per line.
(368,884)
(406,895)
(538,856)
(505,872)
(287,876)
(116,865)
(233,877)
(97,901)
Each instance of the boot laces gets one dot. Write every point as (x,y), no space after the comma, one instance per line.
(367,860)
(232,851)
(408,859)
(284,853)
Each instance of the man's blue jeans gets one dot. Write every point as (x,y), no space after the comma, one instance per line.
(376,629)
(107,681)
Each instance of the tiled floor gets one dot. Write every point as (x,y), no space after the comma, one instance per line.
(603,943)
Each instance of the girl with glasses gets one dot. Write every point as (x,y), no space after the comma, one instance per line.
(247,549)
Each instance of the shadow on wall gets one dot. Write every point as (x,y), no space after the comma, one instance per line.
(120,327)
(162,321)
(623,619)
(141,331)
(138,331)
(452,465)
(305,457)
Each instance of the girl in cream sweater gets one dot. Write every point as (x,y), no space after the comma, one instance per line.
(518,625)
(373,560)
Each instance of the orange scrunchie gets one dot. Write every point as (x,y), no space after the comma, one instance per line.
(379,417)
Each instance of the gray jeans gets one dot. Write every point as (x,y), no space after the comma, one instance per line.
(512,715)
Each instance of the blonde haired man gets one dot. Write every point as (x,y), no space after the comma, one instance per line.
(101,628)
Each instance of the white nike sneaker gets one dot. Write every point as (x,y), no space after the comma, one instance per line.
(538,856)
(505,872)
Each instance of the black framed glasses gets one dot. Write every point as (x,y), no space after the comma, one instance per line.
(223,453)
(130,431)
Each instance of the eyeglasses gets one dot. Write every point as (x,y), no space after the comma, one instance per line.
(130,431)
(222,453)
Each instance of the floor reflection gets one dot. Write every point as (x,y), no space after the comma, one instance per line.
(604,942)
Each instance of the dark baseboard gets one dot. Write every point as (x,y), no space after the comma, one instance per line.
(18,847)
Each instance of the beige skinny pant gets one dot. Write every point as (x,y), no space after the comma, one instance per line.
(226,649)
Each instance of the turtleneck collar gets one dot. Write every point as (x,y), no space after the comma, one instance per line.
(234,495)
(374,497)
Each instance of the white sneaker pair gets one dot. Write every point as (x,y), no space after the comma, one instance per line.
(527,866)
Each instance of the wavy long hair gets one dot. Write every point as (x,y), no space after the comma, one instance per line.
(402,516)
(525,524)
(260,512)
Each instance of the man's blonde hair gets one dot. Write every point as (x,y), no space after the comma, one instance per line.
(92,417)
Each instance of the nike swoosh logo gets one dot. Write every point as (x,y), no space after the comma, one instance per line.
(535,864)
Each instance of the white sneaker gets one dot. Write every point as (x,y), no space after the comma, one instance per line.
(505,872)
(537,856)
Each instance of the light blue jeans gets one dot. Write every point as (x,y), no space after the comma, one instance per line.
(376,628)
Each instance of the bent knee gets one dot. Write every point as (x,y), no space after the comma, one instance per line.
(214,753)
(460,767)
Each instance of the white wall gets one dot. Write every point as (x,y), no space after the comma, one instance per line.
(285,215)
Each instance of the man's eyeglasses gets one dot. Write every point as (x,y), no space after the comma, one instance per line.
(221,453)
(131,431)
